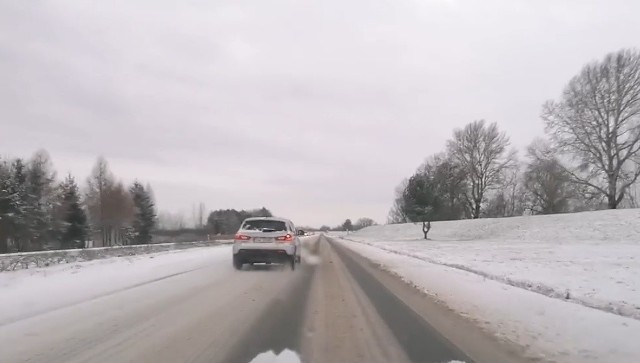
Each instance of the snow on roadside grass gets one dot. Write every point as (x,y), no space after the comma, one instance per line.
(30,292)
(590,258)
(549,330)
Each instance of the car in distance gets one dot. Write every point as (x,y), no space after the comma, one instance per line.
(266,240)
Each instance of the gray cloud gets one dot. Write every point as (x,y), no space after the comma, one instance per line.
(314,109)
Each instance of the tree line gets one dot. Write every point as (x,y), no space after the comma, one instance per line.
(221,222)
(348,225)
(589,160)
(40,212)
(228,221)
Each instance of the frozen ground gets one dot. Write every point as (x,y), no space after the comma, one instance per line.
(529,279)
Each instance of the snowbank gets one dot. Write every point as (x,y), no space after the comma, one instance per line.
(546,329)
(590,258)
(26,260)
(566,286)
(26,293)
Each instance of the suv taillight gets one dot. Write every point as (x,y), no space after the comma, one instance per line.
(241,237)
(287,238)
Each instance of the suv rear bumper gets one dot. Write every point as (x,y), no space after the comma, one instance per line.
(288,249)
(262,255)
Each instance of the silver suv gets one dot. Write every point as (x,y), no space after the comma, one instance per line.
(266,240)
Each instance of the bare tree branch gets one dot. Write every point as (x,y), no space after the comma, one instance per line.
(597,122)
(480,150)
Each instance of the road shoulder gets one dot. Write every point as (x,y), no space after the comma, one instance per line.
(460,331)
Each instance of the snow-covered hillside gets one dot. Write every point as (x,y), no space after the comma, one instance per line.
(609,226)
(592,258)
(582,261)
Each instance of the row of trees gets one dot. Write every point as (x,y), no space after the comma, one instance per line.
(228,221)
(591,159)
(39,212)
(173,221)
(348,225)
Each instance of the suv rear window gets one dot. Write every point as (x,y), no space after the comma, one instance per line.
(264,225)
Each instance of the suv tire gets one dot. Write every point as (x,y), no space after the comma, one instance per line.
(237,263)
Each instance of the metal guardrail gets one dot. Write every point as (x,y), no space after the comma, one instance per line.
(26,260)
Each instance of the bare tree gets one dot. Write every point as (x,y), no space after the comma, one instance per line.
(397,212)
(110,205)
(545,180)
(597,123)
(99,182)
(201,215)
(633,193)
(363,223)
(119,212)
(513,189)
(481,151)
(194,216)
(507,200)
(171,221)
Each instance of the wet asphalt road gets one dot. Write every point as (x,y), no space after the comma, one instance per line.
(350,318)
(334,308)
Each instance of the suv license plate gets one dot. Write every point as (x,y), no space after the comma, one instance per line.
(263,240)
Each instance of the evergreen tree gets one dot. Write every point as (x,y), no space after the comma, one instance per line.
(19,208)
(436,192)
(41,192)
(421,198)
(145,216)
(75,230)
(6,218)
(13,207)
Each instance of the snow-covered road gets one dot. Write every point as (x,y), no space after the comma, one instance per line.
(342,305)
(175,307)
(191,306)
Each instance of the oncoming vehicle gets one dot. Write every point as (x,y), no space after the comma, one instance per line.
(266,240)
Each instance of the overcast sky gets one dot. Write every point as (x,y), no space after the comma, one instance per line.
(314,109)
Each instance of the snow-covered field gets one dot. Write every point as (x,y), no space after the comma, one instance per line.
(565,285)
(26,293)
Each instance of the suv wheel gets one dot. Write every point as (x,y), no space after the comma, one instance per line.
(237,263)
(292,261)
